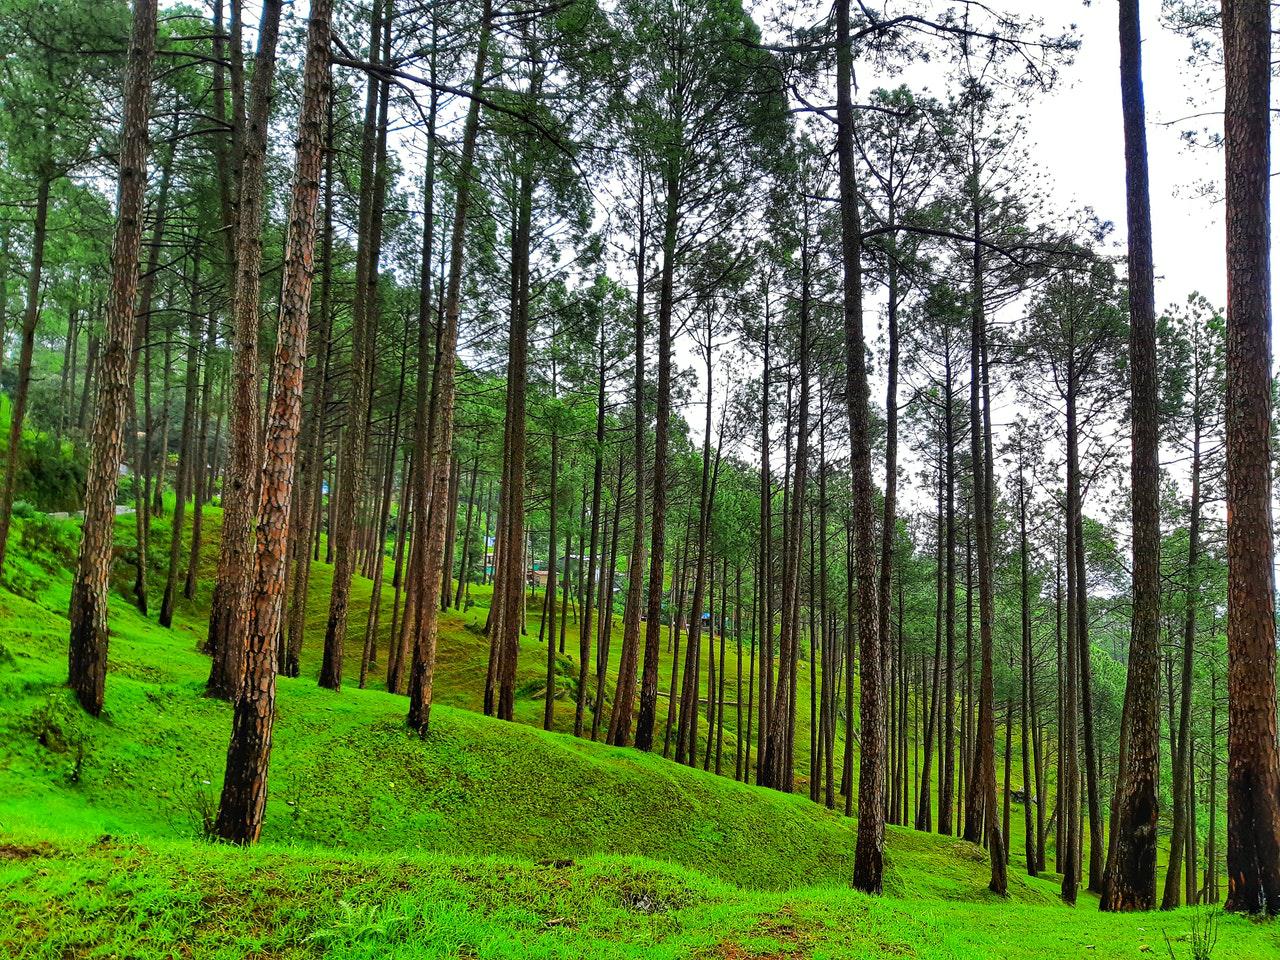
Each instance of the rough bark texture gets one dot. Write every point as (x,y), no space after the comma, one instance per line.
(244,790)
(1130,882)
(305,518)
(229,610)
(420,684)
(1253,767)
(868,868)
(87,660)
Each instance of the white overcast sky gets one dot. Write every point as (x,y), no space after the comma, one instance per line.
(1077,138)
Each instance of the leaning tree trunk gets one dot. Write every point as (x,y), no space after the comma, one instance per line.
(87,660)
(1253,766)
(244,789)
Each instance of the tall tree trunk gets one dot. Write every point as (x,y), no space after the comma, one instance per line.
(549,599)
(244,789)
(351,468)
(1024,596)
(868,869)
(1130,882)
(186,469)
(1253,764)
(306,521)
(229,609)
(464,562)
(764,582)
(980,803)
(621,723)
(90,371)
(1183,798)
(369,656)
(1069,758)
(606,617)
(888,525)
(198,480)
(420,686)
(597,481)
(685,747)
(141,434)
(87,657)
(924,806)
(947,768)
(1097,842)
(781,713)
(515,565)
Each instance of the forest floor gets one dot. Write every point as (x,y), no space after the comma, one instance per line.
(486,839)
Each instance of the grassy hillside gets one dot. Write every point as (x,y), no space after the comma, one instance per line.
(485,839)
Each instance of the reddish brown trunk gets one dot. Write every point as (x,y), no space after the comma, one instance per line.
(229,611)
(87,660)
(1253,766)
(420,685)
(244,789)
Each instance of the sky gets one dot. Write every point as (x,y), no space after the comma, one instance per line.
(1075,138)
(1078,140)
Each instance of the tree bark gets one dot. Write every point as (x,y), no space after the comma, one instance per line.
(351,468)
(186,451)
(1130,882)
(229,610)
(87,659)
(1253,764)
(244,789)
(868,870)
(423,674)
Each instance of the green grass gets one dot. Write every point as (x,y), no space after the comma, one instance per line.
(485,839)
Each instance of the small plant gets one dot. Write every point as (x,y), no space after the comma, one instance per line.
(356,924)
(1203,936)
(197,806)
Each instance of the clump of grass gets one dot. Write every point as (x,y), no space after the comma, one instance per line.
(1201,940)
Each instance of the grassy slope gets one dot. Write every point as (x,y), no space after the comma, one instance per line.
(486,839)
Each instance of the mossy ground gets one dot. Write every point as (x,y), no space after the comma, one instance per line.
(485,839)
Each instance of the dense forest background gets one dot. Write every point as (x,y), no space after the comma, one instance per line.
(768,404)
